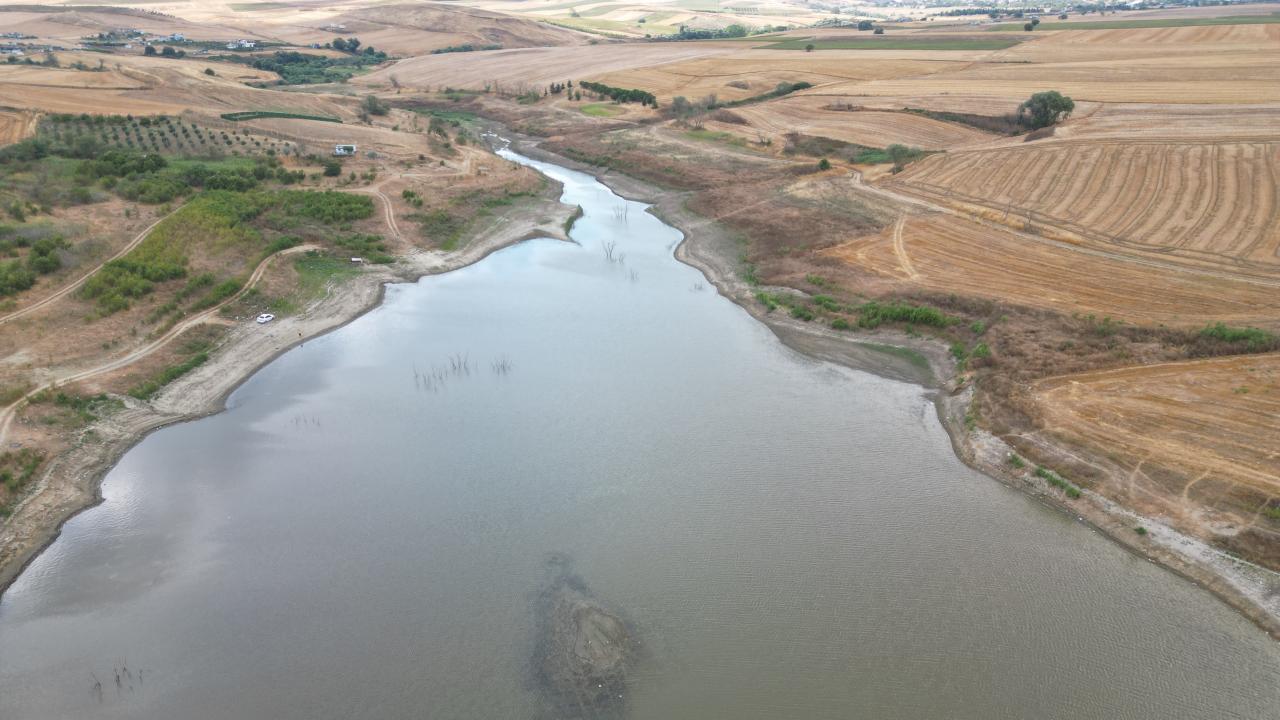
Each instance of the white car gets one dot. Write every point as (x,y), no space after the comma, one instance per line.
(265,318)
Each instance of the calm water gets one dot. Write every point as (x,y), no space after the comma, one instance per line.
(362,534)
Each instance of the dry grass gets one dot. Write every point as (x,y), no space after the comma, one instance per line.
(814,115)
(948,254)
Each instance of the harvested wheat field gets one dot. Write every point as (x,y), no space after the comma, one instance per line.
(16,125)
(1138,121)
(1213,204)
(813,115)
(530,67)
(1197,440)
(949,254)
(745,73)
(410,29)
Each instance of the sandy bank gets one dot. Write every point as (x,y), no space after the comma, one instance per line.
(72,481)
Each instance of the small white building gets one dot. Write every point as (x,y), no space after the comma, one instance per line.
(344,150)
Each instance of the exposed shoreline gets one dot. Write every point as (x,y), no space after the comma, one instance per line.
(72,483)
(1251,590)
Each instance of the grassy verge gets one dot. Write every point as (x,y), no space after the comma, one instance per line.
(601,110)
(317,272)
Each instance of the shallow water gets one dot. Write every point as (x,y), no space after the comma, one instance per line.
(364,531)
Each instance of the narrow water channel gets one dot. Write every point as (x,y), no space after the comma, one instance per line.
(366,530)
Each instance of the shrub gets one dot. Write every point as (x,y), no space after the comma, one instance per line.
(374,106)
(875,314)
(1057,481)
(801,312)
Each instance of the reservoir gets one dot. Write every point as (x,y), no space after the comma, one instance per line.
(367,529)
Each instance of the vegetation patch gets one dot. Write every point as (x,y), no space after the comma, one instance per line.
(1057,481)
(316,272)
(156,383)
(17,469)
(465,47)
(217,222)
(257,114)
(622,95)
(874,314)
(1246,339)
(601,110)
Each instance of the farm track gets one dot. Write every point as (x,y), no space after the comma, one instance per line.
(77,284)
(8,413)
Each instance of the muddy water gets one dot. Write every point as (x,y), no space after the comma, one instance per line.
(365,532)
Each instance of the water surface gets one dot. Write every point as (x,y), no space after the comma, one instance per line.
(363,532)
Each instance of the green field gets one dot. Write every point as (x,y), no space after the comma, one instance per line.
(898,43)
(1138,24)
(601,110)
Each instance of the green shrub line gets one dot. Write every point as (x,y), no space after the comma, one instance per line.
(257,114)
(148,389)
(1253,338)
(874,314)
(1057,481)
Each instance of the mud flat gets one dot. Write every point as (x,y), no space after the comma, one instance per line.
(584,651)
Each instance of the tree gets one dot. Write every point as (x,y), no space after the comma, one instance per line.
(339,44)
(900,155)
(169,52)
(209,72)
(1044,109)
(1035,21)
(865,25)
(878,31)
(1028,27)
(372,105)
(824,164)
(151,50)
(332,168)
(808,48)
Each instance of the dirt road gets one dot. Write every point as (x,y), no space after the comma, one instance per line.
(68,289)
(7,415)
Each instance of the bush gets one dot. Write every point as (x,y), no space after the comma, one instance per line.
(875,314)
(374,106)
(332,168)
(15,277)
(328,206)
